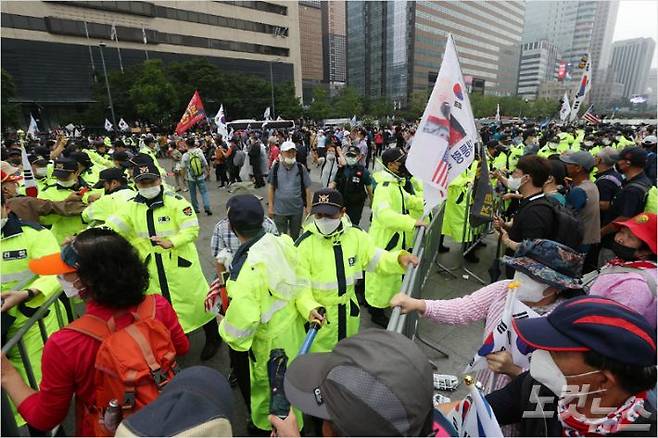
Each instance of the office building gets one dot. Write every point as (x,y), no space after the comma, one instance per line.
(52,48)
(311,47)
(631,61)
(539,63)
(575,28)
(334,42)
(395,48)
(652,88)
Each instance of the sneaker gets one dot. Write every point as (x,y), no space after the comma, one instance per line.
(196,210)
(209,213)
(177,190)
(186,190)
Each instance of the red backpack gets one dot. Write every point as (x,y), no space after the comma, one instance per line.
(133,364)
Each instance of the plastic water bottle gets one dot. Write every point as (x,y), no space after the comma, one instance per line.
(112,416)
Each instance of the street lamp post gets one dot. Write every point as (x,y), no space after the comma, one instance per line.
(272,88)
(107,85)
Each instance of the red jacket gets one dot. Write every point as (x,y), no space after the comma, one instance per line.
(67,367)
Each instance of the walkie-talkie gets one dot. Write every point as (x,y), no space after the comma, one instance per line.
(276,371)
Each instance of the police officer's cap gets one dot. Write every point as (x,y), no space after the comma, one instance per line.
(117,144)
(327,201)
(391,155)
(145,170)
(353,150)
(245,212)
(64,167)
(111,174)
(149,139)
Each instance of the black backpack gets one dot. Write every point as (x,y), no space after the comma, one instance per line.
(568,228)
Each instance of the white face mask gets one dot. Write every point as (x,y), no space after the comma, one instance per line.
(69,183)
(544,370)
(530,290)
(588,143)
(40,172)
(69,288)
(351,161)
(289,161)
(327,225)
(331,157)
(514,183)
(606,141)
(552,146)
(3,221)
(149,192)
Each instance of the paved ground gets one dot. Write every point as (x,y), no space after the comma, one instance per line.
(459,342)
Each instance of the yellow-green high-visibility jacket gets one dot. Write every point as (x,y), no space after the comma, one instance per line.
(175,272)
(100,210)
(91,175)
(62,226)
(394,215)
(623,142)
(103,161)
(333,264)
(263,315)
(454,215)
(22,242)
(551,148)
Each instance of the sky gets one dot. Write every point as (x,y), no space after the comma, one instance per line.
(638,18)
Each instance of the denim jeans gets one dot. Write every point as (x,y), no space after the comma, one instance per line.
(201,184)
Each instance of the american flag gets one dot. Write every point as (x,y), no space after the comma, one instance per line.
(591,117)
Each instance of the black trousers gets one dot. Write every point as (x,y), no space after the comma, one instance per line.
(354,212)
(240,365)
(220,173)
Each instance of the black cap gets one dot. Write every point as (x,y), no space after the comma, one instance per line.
(111,174)
(245,212)
(120,156)
(82,158)
(37,159)
(118,144)
(635,154)
(327,201)
(353,150)
(145,170)
(149,139)
(391,155)
(64,167)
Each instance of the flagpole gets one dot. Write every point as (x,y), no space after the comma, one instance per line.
(272,87)
(146,50)
(91,57)
(107,84)
(116,40)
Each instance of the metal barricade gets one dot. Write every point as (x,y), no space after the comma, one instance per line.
(426,245)
(8,422)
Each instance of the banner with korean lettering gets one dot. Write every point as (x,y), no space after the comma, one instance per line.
(193,113)
(444,144)
(583,86)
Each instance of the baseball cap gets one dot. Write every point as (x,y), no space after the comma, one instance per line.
(392,154)
(113,173)
(287,145)
(197,402)
(548,262)
(64,167)
(649,140)
(353,151)
(10,177)
(8,168)
(608,155)
(57,263)
(327,201)
(117,144)
(581,158)
(376,383)
(149,139)
(144,170)
(643,226)
(635,154)
(245,212)
(592,323)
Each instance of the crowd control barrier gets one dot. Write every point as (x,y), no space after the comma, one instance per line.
(426,247)
(9,426)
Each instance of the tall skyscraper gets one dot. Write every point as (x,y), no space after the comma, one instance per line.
(631,61)
(575,28)
(311,47)
(395,48)
(334,43)
(539,63)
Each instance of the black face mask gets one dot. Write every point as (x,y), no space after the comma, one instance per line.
(623,252)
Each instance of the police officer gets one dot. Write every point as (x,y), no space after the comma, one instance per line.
(22,291)
(66,173)
(334,255)
(116,193)
(392,223)
(99,156)
(269,303)
(150,148)
(163,227)
(354,183)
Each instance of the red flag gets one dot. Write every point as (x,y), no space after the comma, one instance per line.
(192,114)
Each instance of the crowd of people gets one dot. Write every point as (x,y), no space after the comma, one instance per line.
(575,210)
